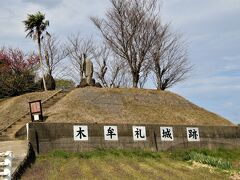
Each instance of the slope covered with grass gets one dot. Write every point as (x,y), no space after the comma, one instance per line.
(126,164)
(13,108)
(95,105)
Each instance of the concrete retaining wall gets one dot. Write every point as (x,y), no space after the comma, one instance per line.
(46,137)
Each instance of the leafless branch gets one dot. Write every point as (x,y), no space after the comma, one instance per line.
(129,29)
(109,71)
(77,46)
(53,53)
(170,60)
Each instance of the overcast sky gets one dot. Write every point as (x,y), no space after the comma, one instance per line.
(211,28)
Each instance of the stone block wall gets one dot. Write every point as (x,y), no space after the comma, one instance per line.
(46,137)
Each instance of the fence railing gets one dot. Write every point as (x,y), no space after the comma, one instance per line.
(6,165)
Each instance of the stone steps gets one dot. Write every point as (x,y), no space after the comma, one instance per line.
(9,133)
(6,138)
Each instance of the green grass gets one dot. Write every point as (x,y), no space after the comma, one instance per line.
(134,164)
(209,160)
(220,158)
(106,153)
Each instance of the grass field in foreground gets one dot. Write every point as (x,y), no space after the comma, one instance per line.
(135,164)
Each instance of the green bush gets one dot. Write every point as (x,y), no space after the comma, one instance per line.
(209,160)
(221,158)
(64,84)
(17,72)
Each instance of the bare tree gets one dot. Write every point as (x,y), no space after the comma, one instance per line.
(169,59)
(102,57)
(118,73)
(110,71)
(54,54)
(146,71)
(130,29)
(143,78)
(77,46)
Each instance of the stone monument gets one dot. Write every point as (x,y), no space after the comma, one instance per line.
(88,73)
(88,70)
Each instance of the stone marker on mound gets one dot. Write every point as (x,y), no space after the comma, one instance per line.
(88,74)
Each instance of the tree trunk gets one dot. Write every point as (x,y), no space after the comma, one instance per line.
(81,74)
(41,63)
(135,79)
(158,74)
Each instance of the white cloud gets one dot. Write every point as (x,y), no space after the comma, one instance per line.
(45,3)
(235,58)
(219,94)
(211,86)
(188,12)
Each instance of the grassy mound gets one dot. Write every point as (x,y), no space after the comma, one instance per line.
(94,105)
(13,108)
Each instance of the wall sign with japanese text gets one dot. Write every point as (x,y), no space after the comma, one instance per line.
(193,134)
(110,133)
(166,133)
(139,133)
(80,133)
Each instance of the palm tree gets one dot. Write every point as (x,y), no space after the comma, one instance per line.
(35,26)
